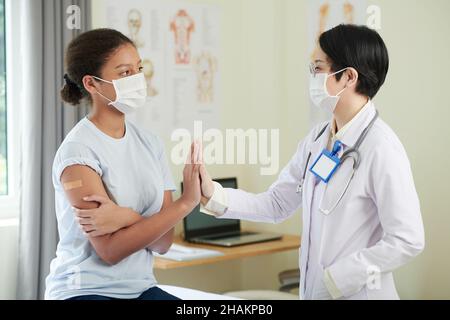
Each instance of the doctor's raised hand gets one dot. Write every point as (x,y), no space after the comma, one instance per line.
(214,200)
(207,185)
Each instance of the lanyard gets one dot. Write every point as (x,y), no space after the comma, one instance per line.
(352,151)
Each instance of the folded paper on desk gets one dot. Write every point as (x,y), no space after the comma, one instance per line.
(182,253)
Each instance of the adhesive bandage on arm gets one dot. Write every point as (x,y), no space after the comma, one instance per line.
(72,185)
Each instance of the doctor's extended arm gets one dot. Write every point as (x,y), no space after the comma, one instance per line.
(274,205)
(393,192)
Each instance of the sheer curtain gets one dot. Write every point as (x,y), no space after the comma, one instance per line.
(44,121)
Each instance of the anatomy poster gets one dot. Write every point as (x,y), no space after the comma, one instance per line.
(180,49)
(324,15)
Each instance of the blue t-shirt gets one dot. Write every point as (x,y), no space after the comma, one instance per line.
(135,173)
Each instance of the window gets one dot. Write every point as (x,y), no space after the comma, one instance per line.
(10,86)
(3,111)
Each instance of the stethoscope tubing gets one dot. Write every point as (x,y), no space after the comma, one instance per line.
(347,154)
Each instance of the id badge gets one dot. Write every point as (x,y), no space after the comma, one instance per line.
(325,166)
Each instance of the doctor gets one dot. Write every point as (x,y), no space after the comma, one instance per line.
(351,176)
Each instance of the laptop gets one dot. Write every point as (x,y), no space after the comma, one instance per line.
(205,229)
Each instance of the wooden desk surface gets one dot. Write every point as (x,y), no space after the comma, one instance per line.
(287,242)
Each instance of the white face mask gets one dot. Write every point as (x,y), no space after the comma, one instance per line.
(131,93)
(319,93)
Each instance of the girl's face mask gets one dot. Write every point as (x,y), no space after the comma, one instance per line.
(131,93)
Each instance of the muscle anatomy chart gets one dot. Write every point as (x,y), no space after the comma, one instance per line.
(149,72)
(326,21)
(205,67)
(180,50)
(134,27)
(182,27)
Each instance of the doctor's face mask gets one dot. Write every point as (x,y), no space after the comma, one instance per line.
(318,89)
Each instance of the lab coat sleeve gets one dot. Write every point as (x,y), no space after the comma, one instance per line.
(218,203)
(392,189)
(276,204)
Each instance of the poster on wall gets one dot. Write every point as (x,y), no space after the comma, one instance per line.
(322,16)
(179,45)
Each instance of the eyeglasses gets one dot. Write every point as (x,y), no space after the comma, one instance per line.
(314,66)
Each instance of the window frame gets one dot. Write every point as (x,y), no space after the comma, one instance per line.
(10,204)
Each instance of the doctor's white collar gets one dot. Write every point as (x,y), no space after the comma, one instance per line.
(340,134)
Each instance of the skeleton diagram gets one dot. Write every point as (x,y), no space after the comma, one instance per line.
(205,68)
(149,72)
(324,12)
(348,12)
(134,27)
(182,26)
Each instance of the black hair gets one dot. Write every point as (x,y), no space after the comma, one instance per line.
(359,47)
(86,55)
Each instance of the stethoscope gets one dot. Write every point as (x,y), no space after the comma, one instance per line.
(352,153)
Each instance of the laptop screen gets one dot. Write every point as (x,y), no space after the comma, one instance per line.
(200,224)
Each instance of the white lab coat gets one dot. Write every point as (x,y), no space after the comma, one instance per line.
(377,224)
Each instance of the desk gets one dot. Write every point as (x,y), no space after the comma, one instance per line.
(287,242)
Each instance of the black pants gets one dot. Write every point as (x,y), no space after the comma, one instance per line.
(153,293)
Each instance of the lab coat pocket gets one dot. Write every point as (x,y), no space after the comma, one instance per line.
(320,291)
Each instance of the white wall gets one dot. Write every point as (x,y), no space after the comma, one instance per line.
(415,103)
